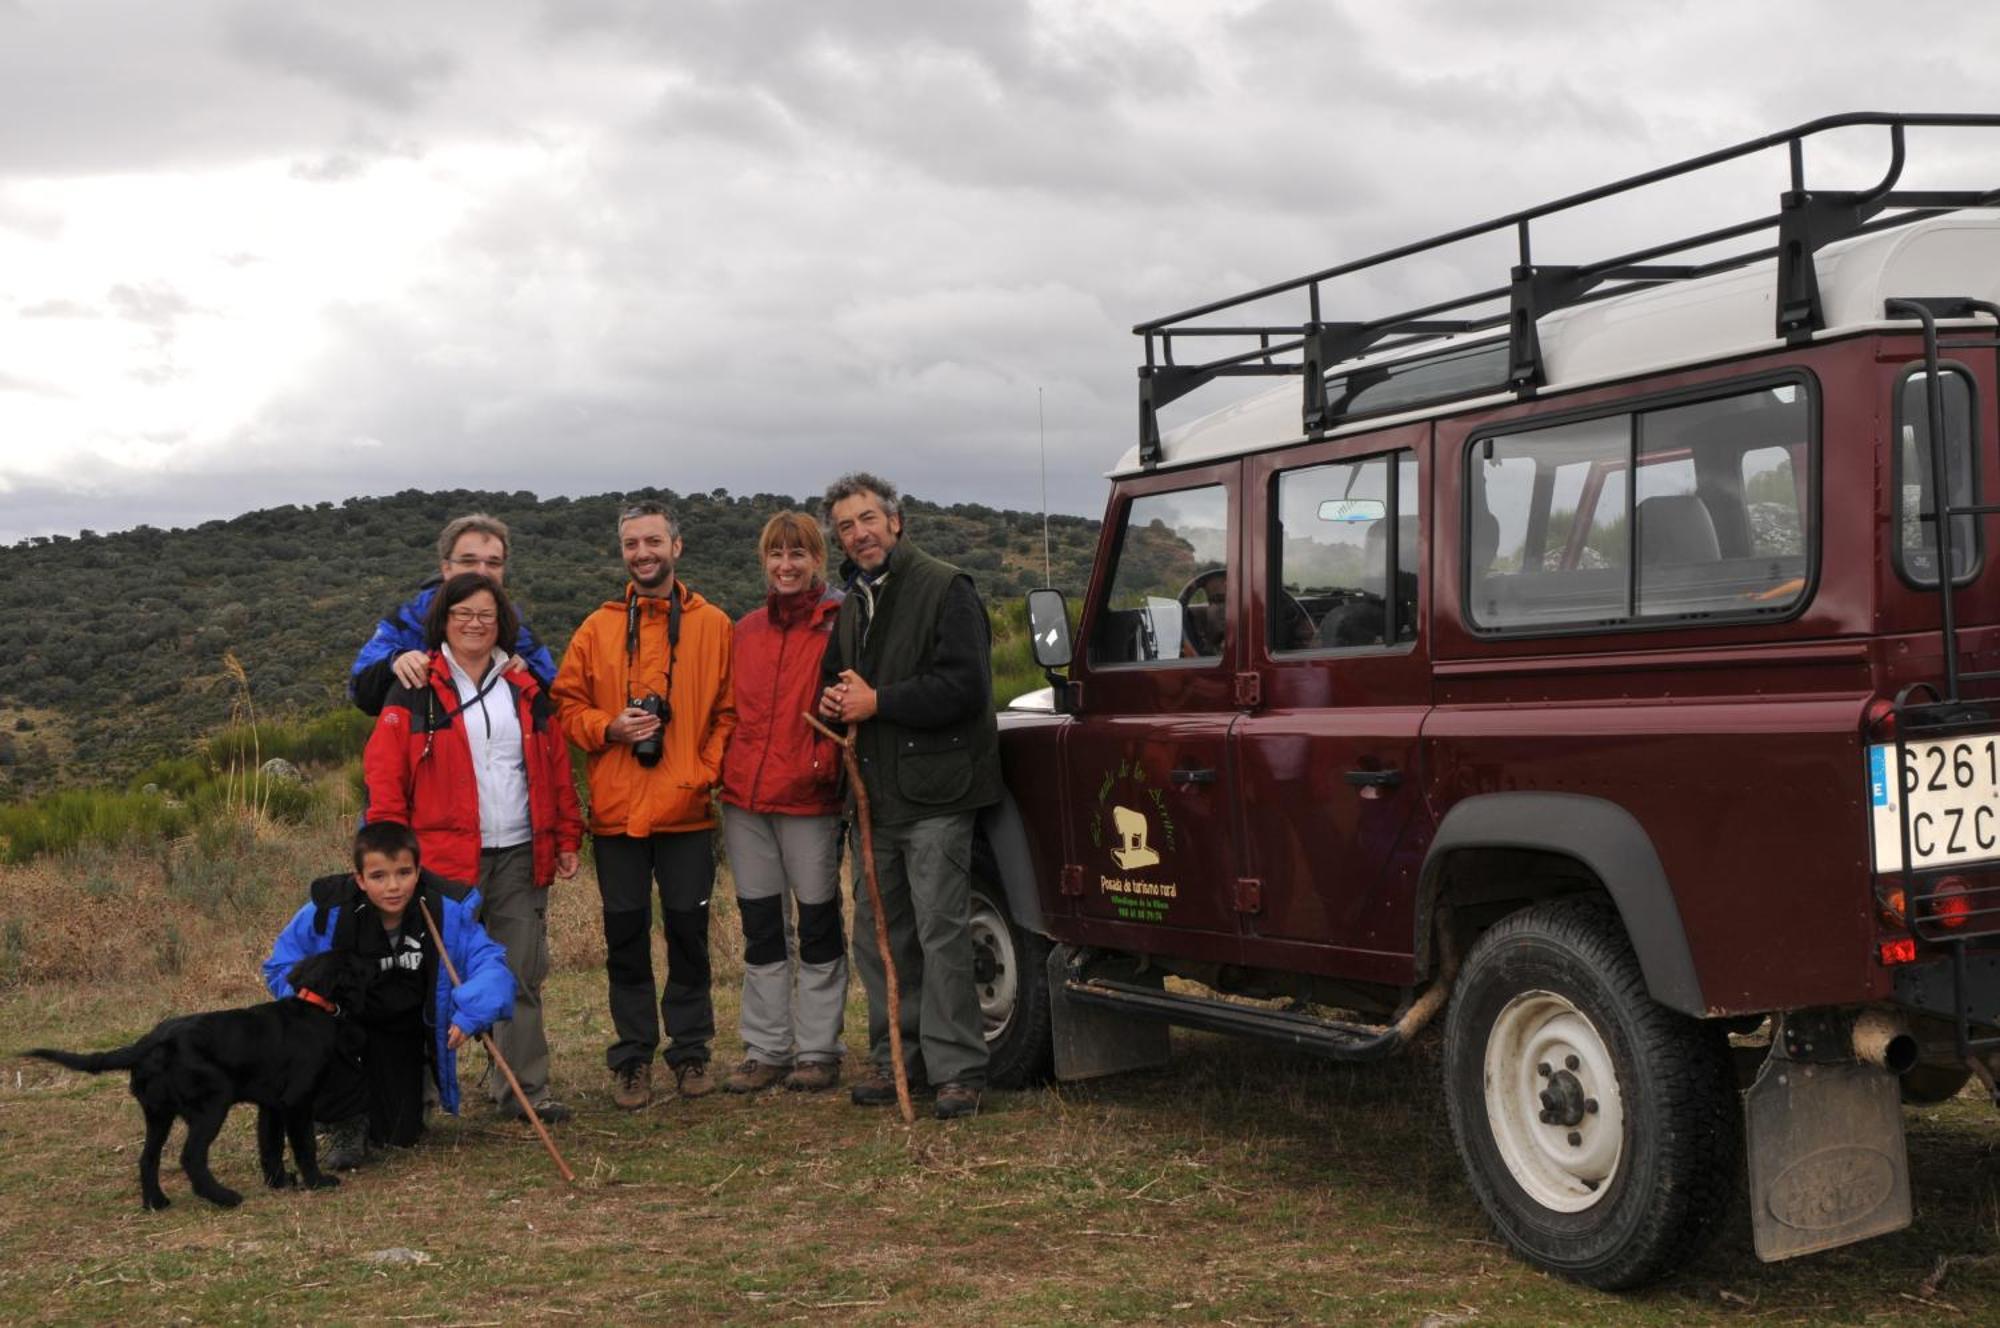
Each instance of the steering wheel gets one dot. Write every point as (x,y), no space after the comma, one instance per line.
(1203,592)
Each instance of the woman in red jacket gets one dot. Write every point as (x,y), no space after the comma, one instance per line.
(781,822)
(475,763)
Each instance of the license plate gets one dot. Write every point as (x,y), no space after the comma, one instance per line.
(1953,792)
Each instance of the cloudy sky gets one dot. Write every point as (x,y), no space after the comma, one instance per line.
(266,251)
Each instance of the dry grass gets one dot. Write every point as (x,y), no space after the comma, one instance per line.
(1239,1186)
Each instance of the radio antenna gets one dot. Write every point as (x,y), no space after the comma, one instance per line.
(1048,561)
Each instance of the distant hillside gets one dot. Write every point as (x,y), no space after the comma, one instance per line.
(114,643)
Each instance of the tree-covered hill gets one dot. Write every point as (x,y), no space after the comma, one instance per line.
(113,645)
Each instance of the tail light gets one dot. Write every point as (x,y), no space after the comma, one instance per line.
(1892,903)
(1881,719)
(1951,902)
(1902,950)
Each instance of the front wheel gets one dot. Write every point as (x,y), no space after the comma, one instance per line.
(1597,1127)
(1010,973)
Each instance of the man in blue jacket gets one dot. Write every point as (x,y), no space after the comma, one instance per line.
(414,1018)
(396,652)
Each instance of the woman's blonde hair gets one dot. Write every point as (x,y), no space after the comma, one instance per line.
(793,530)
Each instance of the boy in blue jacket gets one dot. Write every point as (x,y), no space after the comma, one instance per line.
(415,1020)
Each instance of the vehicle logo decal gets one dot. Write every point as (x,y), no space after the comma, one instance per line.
(1134,809)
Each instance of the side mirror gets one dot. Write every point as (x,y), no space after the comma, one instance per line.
(1048,625)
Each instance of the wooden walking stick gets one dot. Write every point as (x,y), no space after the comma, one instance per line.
(853,764)
(493,1050)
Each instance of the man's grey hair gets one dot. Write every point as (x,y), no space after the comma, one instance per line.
(859,482)
(647,507)
(472,523)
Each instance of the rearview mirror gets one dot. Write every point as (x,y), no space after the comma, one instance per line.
(1048,625)
(1353,510)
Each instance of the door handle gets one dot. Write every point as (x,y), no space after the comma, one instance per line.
(1191,776)
(1366,779)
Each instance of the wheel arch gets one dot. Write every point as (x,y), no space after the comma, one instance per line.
(1490,841)
(1000,846)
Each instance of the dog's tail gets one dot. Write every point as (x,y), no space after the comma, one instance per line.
(94,1062)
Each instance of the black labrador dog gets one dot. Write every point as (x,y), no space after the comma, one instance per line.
(200,1065)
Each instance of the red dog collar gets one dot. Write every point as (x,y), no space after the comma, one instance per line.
(314,998)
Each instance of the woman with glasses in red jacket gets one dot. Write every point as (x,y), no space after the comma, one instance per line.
(474,762)
(781,822)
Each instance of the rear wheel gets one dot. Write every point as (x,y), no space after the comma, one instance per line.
(1010,973)
(1928,1085)
(1597,1127)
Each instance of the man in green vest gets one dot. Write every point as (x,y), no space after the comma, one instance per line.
(909,668)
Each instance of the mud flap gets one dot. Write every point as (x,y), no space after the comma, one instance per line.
(1091,1041)
(1827,1162)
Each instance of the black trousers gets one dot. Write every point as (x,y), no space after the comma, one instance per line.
(683,868)
(386,1085)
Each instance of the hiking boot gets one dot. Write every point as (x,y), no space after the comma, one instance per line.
(815,1077)
(955,1101)
(549,1109)
(753,1076)
(632,1086)
(691,1079)
(879,1089)
(346,1145)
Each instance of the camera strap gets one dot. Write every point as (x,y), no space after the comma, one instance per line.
(632,636)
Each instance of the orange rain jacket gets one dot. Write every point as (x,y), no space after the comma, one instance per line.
(599,675)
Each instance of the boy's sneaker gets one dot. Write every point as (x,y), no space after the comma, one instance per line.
(879,1088)
(346,1145)
(632,1086)
(691,1079)
(549,1109)
(753,1076)
(955,1101)
(815,1077)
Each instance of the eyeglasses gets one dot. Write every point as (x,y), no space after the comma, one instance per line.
(474,617)
(491,564)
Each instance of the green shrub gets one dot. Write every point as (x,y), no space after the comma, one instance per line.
(58,822)
(321,740)
(177,775)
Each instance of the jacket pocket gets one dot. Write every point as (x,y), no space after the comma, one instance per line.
(934,768)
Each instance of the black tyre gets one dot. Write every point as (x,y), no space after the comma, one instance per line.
(1598,1129)
(1010,971)
(1928,1085)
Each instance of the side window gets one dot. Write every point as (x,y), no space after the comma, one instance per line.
(1346,557)
(1685,511)
(1548,535)
(1917,551)
(1167,598)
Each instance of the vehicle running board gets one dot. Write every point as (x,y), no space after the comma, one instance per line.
(1332,1038)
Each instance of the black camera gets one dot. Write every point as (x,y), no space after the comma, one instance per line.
(647,750)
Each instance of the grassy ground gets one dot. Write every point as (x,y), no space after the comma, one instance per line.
(1240,1185)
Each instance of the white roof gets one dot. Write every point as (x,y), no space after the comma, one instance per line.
(1680,323)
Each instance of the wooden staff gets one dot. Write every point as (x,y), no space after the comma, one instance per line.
(493,1050)
(853,764)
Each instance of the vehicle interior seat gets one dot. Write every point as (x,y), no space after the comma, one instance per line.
(1676,528)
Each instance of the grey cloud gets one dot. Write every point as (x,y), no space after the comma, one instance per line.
(28,386)
(279,36)
(155,305)
(57,309)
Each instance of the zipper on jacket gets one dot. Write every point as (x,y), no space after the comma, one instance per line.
(777,686)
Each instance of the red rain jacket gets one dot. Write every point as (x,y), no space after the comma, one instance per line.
(777,763)
(419,768)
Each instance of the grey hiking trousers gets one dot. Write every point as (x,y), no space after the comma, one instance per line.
(925,871)
(789,1021)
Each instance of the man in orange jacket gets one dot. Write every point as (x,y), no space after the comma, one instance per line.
(644,690)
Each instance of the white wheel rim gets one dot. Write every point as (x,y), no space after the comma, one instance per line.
(1541,1043)
(993,949)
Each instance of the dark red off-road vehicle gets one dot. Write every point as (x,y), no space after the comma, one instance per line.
(1604,661)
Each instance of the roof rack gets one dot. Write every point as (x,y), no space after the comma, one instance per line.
(1806,221)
